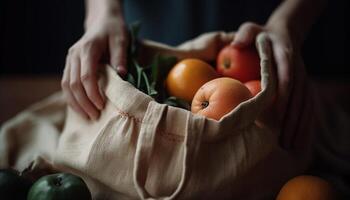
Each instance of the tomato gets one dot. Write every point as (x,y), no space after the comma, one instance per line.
(61,186)
(253,86)
(306,187)
(242,64)
(218,97)
(187,76)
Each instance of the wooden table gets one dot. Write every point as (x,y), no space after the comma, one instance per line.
(18,92)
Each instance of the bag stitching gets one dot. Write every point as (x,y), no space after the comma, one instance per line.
(171,137)
(126,114)
(166,135)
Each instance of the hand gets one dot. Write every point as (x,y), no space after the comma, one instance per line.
(105,37)
(285,46)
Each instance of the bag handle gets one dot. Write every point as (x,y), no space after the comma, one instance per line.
(145,144)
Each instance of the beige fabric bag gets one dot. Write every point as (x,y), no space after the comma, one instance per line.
(142,149)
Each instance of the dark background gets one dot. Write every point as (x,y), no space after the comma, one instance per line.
(36,34)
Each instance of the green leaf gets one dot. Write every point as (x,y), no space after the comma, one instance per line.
(139,71)
(161,65)
(150,91)
(130,78)
(150,79)
(159,68)
(153,93)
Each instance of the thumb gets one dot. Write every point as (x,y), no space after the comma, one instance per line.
(118,52)
(246,35)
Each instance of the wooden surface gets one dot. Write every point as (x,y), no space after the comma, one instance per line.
(18,92)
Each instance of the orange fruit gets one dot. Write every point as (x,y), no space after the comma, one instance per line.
(253,86)
(306,188)
(187,76)
(242,64)
(218,97)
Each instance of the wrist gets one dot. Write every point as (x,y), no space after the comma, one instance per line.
(102,10)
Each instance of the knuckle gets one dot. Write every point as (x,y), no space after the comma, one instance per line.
(248,25)
(87,46)
(67,62)
(74,85)
(86,78)
(65,84)
(71,50)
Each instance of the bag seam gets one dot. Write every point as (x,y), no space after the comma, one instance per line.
(166,135)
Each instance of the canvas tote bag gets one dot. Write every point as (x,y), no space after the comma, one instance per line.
(140,149)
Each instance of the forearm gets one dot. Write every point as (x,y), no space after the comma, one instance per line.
(297,15)
(101,8)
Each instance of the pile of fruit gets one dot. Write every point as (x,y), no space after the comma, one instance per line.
(195,85)
(214,93)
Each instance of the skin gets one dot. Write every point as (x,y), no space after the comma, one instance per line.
(287,28)
(106,36)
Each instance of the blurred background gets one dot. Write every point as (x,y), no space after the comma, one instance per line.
(35,37)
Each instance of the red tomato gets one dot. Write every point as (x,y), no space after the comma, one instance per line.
(253,86)
(242,64)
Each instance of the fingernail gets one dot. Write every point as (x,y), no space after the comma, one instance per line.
(236,44)
(100,105)
(94,117)
(85,117)
(121,71)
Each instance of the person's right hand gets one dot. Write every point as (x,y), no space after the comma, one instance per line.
(290,72)
(105,37)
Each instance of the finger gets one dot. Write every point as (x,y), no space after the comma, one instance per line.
(67,93)
(117,48)
(246,35)
(88,76)
(73,104)
(78,90)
